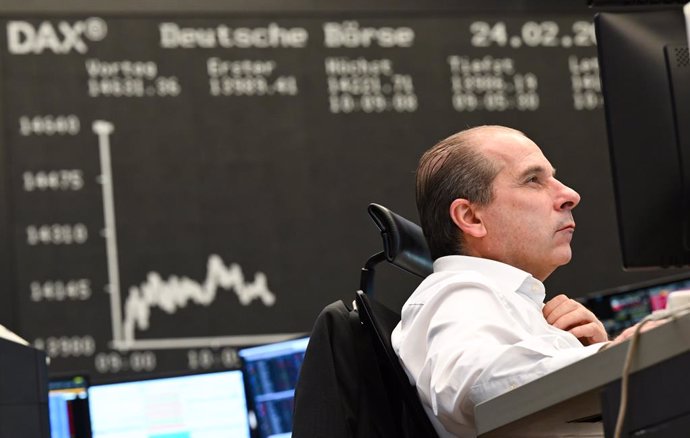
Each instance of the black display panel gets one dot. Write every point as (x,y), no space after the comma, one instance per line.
(177,186)
(648,130)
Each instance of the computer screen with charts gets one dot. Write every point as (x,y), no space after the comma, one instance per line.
(625,306)
(272,371)
(209,405)
(68,407)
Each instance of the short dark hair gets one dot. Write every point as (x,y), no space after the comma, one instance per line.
(453,168)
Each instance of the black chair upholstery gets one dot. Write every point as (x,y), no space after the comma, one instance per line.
(341,391)
(379,321)
(404,246)
(352,384)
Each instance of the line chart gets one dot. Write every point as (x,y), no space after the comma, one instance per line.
(175,292)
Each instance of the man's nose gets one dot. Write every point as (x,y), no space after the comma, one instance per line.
(567,198)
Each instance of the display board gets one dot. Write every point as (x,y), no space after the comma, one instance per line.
(179,185)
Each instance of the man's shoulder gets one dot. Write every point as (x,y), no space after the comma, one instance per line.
(475,271)
(443,284)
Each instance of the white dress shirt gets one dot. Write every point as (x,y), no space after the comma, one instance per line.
(473,330)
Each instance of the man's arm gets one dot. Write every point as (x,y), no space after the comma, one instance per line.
(630,331)
(571,316)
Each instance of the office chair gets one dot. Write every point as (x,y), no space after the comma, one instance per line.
(351,383)
(405,247)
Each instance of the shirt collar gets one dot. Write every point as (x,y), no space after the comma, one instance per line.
(507,278)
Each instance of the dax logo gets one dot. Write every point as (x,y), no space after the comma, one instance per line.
(61,38)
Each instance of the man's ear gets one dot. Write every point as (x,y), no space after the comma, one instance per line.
(465,215)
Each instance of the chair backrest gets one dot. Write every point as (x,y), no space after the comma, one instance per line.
(379,321)
(404,244)
(342,391)
(352,383)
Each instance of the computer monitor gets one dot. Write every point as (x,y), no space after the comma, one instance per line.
(68,407)
(209,405)
(625,306)
(645,72)
(271,371)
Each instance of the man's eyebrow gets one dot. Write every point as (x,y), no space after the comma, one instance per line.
(538,169)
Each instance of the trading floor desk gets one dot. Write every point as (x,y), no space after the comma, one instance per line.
(568,402)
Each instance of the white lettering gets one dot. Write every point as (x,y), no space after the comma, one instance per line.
(217,67)
(20,36)
(172,36)
(23,38)
(126,68)
(358,66)
(350,34)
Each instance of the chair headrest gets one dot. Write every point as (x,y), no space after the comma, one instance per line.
(404,244)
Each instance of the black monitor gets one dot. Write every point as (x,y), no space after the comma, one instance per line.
(23,391)
(645,72)
(68,407)
(271,371)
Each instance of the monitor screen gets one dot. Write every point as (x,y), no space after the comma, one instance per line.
(272,371)
(625,306)
(645,73)
(209,405)
(68,407)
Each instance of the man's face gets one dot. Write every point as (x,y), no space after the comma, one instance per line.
(529,224)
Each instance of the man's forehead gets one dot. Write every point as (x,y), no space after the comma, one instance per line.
(492,138)
(515,152)
(504,143)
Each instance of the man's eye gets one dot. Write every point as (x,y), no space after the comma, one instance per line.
(534,179)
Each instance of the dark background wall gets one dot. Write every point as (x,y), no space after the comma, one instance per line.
(180,180)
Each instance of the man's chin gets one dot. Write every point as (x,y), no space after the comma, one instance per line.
(564,257)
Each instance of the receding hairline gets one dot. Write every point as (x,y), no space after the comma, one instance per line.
(476,139)
(479,135)
(490,128)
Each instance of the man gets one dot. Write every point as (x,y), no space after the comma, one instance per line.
(498,223)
